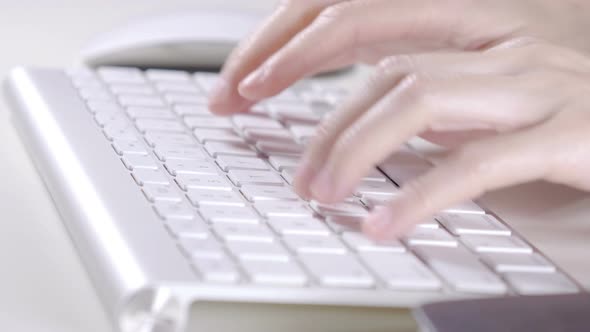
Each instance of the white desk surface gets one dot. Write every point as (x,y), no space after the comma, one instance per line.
(43,286)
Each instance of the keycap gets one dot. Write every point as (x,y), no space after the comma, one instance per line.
(184,166)
(274,273)
(423,236)
(302,133)
(231,214)
(131,89)
(401,271)
(241,177)
(487,243)
(269,134)
(167,75)
(165,153)
(99,106)
(288,174)
(243,232)
(192,112)
(337,270)
(342,224)
(256,193)
(221,270)
(144,125)
(103,119)
(202,181)
(279,162)
(149,113)
(120,132)
(465,207)
(129,147)
(461,270)
(315,244)
(224,135)
(270,148)
(152,176)
(206,80)
(376,188)
(282,209)
(258,251)
(209,122)
(339,209)
(400,174)
(299,226)
(202,197)
(170,139)
(375,175)
(160,192)
(227,163)
(359,242)
(293,112)
(229,148)
(503,262)
(245,121)
(120,75)
(173,210)
(135,161)
(540,283)
(177,87)
(192,228)
(179,98)
(196,248)
(138,100)
(462,224)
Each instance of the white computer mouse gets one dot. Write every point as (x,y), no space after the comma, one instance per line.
(195,39)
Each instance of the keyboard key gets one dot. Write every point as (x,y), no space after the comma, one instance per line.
(299,226)
(375,175)
(463,271)
(209,122)
(100,106)
(149,113)
(505,244)
(183,166)
(376,188)
(360,243)
(462,224)
(256,193)
(275,273)
(138,100)
(268,134)
(135,161)
(206,80)
(258,251)
(159,192)
(197,249)
(245,121)
(103,119)
(166,153)
(342,224)
(129,147)
(121,75)
(294,112)
(202,197)
(282,209)
(174,210)
(167,75)
(222,135)
(144,125)
(315,244)
(230,214)
(202,181)
(423,236)
(227,163)
(179,98)
(188,228)
(288,174)
(503,262)
(302,133)
(339,209)
(466,207)
(279,162)
(279,148)
(221,270)
(229,148)
(401,271)
(149,176)
(158,138)
(337,271)
(120,132)
(243,232)
(540,283)
(131,89)
(192,111)
(241,177)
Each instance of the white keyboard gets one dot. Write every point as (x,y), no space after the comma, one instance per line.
(221,187)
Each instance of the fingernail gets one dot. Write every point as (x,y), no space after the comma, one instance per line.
(247,88)
(322,186)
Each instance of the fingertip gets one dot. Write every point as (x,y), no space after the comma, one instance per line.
(251,86)
(223,99)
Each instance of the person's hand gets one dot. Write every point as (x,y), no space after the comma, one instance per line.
(517,112)
(303,37)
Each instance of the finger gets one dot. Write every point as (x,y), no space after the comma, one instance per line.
(409,25)
(387,75)
(287,20)
(476,168)
(498,102)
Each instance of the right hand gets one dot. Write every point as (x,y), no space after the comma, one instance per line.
(303,37)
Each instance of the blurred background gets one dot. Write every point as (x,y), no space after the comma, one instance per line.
(43,287)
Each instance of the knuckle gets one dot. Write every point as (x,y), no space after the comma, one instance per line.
(417,89)
(395,64)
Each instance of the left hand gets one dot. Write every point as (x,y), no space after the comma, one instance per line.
(518,112)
